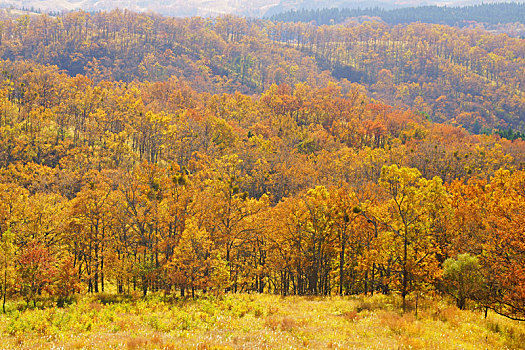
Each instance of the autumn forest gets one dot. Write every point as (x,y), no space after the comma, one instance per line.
(191,157)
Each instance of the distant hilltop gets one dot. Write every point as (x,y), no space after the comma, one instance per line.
(182,8)
(495,13)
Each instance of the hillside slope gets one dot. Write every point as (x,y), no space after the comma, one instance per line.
(467,77)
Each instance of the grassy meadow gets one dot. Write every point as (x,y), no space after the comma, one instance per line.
(250,321)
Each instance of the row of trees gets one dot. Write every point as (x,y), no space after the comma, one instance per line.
(162,229)
(493,13)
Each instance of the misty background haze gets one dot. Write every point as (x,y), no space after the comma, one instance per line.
(182,8)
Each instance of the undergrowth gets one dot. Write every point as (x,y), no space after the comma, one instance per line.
(255,321)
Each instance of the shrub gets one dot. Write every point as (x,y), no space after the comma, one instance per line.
(462,278)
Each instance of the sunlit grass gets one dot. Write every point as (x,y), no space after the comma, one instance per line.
(256,321)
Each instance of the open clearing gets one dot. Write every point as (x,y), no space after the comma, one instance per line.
(250,321)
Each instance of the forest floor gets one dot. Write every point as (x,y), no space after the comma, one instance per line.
(251,321)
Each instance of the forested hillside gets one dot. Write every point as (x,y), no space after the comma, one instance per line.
(195,156)
(466,77)
(489,13)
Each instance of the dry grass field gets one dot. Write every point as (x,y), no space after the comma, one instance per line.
(249,321)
